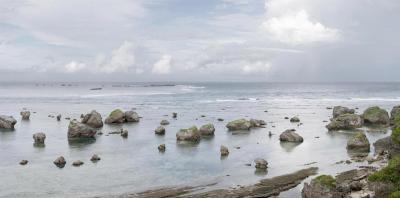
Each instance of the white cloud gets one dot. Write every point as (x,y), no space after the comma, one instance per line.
(121,59)
(296,28)
(163,66)
(258,67)
(74,67)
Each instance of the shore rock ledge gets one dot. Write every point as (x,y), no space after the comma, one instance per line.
(7,122)
(345,122)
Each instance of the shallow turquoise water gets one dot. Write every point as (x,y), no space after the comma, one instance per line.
(134,164)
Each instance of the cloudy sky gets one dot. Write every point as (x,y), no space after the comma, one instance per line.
(200,40)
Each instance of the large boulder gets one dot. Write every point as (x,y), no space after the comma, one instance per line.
(92,119)
(131,116)
(240,124)
(116,116)
(257,123)
(339,110)
(290,136)
(25,114)
(345,122)
(7,122)
(395,112)
(191,134)
(207,130)
(39,138)
(358,143)
(376,116)
(321,186)
(77,130)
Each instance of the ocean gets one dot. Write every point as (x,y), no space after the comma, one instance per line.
(134,164)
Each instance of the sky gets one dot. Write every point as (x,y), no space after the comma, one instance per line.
(200,40)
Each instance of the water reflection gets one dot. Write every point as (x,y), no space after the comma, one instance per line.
(289,146)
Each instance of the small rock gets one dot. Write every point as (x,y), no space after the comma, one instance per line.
(25,114)
(220,119)
(39,138)
(207,130)
(290,136)
(161,148)
(77,163)
(174,115)
(60,162)
(295,119)
(95,158)
(124,133)
(164,122)
(191,134)
(286,118)
(240,124)
(261,163)
(224,151)
(131,116)
(23,162)
(160,130)
(59,117)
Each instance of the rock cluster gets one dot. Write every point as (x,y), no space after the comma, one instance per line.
(118,116)
(243,124)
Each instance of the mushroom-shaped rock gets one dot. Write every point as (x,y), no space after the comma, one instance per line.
(95,158)
(78,130)
(257,123)
(290,136)
(160,130)
(161,148)
(59,117)
(345,122)
(124,133)
(131,116)
(240,124)
(321,186)
(25,114)
(339,110)
(7,122)
(116,116)
(93,119)
(224,151)
(39,138)
(77,163)
(60,162)
(358,143)
(261,163)
(207,130)
(164,122)
(191,134)
(295,119)
(376,116)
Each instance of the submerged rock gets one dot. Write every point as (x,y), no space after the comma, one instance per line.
(131,116)
(77,163)
(60,162)
(207,130)
(191,134)
(224,151)
(261,163)
(78,130)
(339,110)
(160,130)
(7,122)
(39,138)
(92,119)
(164,122)
(240,124)
(23,162)
(25,114)
(116,116)
(161,148)
(95,158)
(358,143)
(295,119)
(376,116)
(290,136)
(345,122)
